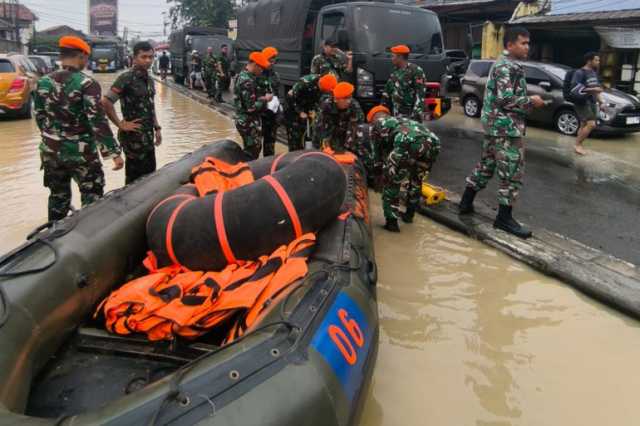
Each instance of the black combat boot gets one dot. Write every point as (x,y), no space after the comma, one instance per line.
(507,223)
(392,225)
(466,203)
(407,216)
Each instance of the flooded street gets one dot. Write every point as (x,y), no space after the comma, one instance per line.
(468,336)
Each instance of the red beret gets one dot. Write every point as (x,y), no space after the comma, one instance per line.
(401,48)
(72,42)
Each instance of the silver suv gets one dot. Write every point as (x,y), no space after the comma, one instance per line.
(620,115)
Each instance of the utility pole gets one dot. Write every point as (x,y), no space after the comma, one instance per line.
(16,21)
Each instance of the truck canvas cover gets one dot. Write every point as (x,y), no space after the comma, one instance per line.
(273,22)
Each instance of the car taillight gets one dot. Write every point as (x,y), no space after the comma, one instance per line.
(17,85)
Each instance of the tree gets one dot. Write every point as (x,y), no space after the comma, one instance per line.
(201,13)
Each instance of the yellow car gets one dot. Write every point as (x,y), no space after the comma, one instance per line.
(18,80)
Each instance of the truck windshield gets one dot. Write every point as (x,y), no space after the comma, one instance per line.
(384,27)
(104,53)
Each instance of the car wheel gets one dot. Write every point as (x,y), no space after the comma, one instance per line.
(471,106)
(27,108)
(567,122)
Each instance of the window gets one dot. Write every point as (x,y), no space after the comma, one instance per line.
(436,44)
(535,76)
(6,66)
(480,68)
(331,23)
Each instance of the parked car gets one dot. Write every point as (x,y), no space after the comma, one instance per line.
(458,64)
(620,115)
(18,80)
(41,64)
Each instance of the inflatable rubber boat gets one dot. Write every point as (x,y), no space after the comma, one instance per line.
(307,361)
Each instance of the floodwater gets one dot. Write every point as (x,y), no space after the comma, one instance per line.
(186,126)
(468,336)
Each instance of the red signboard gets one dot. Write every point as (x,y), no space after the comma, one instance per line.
(103,17)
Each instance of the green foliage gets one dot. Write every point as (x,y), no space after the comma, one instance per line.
(201,13)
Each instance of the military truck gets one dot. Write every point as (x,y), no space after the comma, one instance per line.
(106,54)
(297,29)
(184,41)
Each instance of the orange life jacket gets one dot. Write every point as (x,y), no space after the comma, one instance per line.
(174,301)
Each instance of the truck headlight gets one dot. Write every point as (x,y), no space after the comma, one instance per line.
(112,64)
(365,83)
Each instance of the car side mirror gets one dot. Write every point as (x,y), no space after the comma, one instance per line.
(545,85)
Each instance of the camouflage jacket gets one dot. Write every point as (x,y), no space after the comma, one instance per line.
(505,102)
(210,65)
(323,64)
(136,91)
(405,91)
(396,140)
(338,128)
(305,94)
(268,82)
(71,119)
(225,63)
(246,95)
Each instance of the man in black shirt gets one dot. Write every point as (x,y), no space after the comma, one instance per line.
(163,64)
(586,87)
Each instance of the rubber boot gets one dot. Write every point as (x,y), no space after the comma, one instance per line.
(392,225)
(507,223)
(466,203)
(407,216)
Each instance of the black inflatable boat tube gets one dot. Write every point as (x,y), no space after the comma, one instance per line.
(295,193)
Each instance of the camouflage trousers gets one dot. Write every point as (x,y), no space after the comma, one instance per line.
(269,132)
(140,154)
(506,156)
(296,131)
(210,82)
(250,129)
(57,177)
(396,174)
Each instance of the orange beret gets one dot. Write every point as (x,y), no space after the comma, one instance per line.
(401,48)
(376,109)
(72,42)
(327,83)
(269,52)
(260,59)
(343,90)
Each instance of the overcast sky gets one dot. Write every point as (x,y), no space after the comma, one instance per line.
(143,16)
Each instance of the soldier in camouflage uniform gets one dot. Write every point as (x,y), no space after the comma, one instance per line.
(303,101)
(223,76)
(405,90)
(74,128)
(504,110)
(338,120)
(139,131)
(332,60)
(269,83)
(210,70)
(249,106)
(407,150)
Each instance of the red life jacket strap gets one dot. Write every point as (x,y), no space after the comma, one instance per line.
(222,232)
(288,205)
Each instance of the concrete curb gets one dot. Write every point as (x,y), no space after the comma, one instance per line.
(610,280)
(606,278)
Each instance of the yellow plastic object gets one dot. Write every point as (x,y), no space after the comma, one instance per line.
(432,194)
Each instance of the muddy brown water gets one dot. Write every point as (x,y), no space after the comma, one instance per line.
(468,336)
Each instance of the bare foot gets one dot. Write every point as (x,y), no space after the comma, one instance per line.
(580,150)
